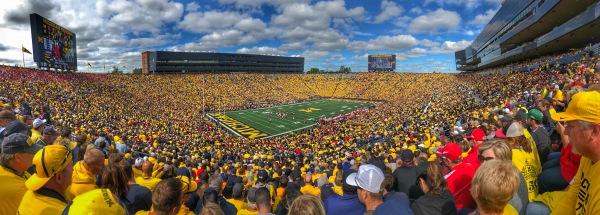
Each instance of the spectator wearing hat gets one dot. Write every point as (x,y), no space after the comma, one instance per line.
(368,179)
(146,180)
(6,116)
(37,130)
(557,98)
(251,199)
(475,140)
(48,136)
(17,126)
(167,197)
(84,173)
(437,198)
(16,158)
(46,188)
(582,120)
(347,203)
(524,156)
(96,202)
(188,187)
(405,174)
(459,177)
(494,185)
(236,200)
(139,197)
(539,134)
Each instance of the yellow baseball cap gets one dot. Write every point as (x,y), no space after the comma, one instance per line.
(48,161)
(98,201)
(584,106)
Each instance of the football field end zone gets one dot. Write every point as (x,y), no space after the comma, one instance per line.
(236,127)
(247,130)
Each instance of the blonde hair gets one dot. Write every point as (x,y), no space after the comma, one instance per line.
(500,148)
(211,209)
(494,185)
(306,205)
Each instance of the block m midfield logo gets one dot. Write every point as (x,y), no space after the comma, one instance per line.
(239,127)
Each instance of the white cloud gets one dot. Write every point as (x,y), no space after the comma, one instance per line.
(337,8)
(495,2)
(302,15)
(470,33)
(140,16)
(435,21)
(468,4)
(449,47)
(389,10)
(483,19)
(228,38)
(292,46)
(428,43)
(361,57)
(391,43)
(209,21)
(263,50)
(192,7)
(256,4)
(311,55)
(416,10)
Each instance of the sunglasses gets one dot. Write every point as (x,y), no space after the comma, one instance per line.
(54,171)
(482,158)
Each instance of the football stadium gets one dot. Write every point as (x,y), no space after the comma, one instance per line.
(238,108)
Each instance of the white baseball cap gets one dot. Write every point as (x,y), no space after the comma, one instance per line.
(38,122)
(369,177)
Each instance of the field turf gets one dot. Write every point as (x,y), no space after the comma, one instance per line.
(264,122)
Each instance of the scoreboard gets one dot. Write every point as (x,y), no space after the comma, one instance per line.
(382,62)
(53,46)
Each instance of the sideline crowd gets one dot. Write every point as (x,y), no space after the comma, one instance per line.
(524,142)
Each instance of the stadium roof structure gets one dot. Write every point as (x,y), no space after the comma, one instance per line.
(528,29)
(157,62)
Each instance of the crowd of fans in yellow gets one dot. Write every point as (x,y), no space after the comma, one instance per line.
(138,144)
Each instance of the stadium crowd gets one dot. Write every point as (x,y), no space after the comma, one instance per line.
(524,142)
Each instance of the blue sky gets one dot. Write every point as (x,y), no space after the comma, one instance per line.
(328,34)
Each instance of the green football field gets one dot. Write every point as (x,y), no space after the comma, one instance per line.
(264,122)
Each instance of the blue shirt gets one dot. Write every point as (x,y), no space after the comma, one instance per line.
(392,207)
(397,196)
(344,205)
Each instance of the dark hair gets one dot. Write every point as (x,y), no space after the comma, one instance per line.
(210,195)
(434,179)
(167,195)
(115,158)
(263,198)
(388,181)
(283,181)
(291,193)
(115,180)
(127,169)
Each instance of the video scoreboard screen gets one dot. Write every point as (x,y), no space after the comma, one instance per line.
(53,46)
(382,62)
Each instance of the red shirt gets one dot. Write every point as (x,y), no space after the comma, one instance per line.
(459,184)
(472,157)
(569,163)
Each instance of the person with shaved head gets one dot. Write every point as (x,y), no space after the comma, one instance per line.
(84,173)
(146,180)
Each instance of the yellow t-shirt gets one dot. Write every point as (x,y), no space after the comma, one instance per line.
(149,183)
(35,136)
(239,204)
(526,164)
(34,203)
(12,189)
(583,196)
(247,212)
(558,95)
(510,210)
(309,189)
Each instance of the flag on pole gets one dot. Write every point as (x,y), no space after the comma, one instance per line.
(89,64)
(124,66)
(24,50)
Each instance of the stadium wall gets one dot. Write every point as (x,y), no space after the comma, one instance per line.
(164,62)
(526,29)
